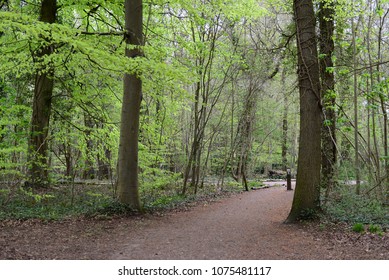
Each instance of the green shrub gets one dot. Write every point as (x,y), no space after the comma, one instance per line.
(375,229)
(358,227)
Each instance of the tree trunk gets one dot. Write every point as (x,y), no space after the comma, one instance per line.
(2,95)
(244,135)
(128,185)
(41,108)
(284,144)
(89,170)
(356,128)
(104,170)
(307,193)
(384,106)
(326,20)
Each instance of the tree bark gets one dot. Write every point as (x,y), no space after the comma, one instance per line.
(89,170)
(244,133)
(104,168)
(284,144)
(306,199)
(128,185)
(326,21)
(356,128)
(41,109)
(384,106)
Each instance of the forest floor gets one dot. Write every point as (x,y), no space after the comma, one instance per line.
(247,225)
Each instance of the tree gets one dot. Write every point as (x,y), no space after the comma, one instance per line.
(284,144)
(307,192)
(128,185)
(356,128)
(326,23)
(382,83)
(42,100)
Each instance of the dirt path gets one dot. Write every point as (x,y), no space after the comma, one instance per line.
(243,226)
(228,229)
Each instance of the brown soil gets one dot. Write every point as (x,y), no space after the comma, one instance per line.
(244,226)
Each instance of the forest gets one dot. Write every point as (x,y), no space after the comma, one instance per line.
(115,106)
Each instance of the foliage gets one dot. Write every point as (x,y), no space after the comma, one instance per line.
(358,227)
(345,205)
(59,203)
(375,229)
(220,50)
(93,200)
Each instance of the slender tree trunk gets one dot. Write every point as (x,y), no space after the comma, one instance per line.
(3,94)
(384,107)
(89,170)
(368,136)
(326,20)
(128,185)
(244,134)
(68,153)
(373,152)
(202,107)
(307,192)
(41,108)
(104,165)
(356,129)
(371,102)
(284,146)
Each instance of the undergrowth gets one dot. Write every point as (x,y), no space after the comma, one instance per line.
(51,204)
(345,205)
(90,200)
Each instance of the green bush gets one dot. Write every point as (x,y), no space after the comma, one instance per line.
(358,227)
(375,229)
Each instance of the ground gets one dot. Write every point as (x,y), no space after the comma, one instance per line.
(248,225)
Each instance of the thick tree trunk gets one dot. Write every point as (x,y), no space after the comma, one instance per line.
(128,185)
(307,193)
(41,109)
(326,20)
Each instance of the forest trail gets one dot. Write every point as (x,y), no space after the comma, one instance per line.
(248,225)
(245,226)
